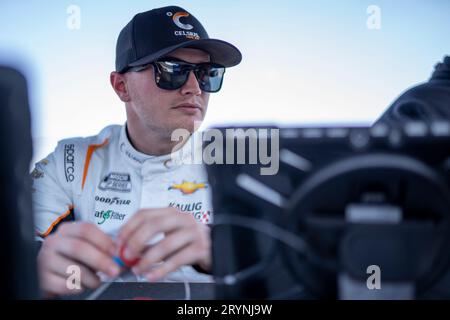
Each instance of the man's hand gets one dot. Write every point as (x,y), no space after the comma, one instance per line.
(81,244)
(186,242)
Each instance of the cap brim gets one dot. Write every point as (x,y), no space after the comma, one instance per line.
(220,51)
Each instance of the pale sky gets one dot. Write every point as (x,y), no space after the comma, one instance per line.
(304,62)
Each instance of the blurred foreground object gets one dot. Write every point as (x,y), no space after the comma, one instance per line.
(18,269)
(352,213)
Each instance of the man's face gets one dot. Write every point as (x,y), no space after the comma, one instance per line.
(164,111)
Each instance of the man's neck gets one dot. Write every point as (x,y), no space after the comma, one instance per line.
(153,144)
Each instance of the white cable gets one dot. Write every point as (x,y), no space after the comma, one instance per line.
(96,293)
(187,287)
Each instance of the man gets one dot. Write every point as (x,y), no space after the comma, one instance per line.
(426,102)
(127,188)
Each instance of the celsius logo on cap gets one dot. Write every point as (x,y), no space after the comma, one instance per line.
(176,19)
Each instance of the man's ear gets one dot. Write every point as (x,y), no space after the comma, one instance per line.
(118,82)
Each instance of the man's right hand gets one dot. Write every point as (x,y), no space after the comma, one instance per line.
(75,243)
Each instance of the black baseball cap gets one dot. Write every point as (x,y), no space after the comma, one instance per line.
(153,34)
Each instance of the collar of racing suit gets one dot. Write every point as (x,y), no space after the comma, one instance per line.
(164,163)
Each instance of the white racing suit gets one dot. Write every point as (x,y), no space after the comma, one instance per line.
(103,180)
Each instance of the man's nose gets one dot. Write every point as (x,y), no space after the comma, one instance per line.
(191,86)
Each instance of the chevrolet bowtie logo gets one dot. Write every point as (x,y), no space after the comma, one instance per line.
(188,187)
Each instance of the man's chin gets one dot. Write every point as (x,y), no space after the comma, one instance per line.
(190,126)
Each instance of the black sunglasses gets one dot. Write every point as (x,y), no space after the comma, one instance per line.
(172,74)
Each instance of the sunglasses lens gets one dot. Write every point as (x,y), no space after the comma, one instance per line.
(172,75)
(210,77)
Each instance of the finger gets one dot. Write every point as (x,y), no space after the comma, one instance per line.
(85,253)
(90,233)
(59,265)
(139,240)
(54,284)
(185,256)
(162,250)
(136,221)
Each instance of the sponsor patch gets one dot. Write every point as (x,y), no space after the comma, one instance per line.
(187,187)
(69,162)
(106,215)
(112,201)
(38,172)
(115,181)
(203,216)
(195,209)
